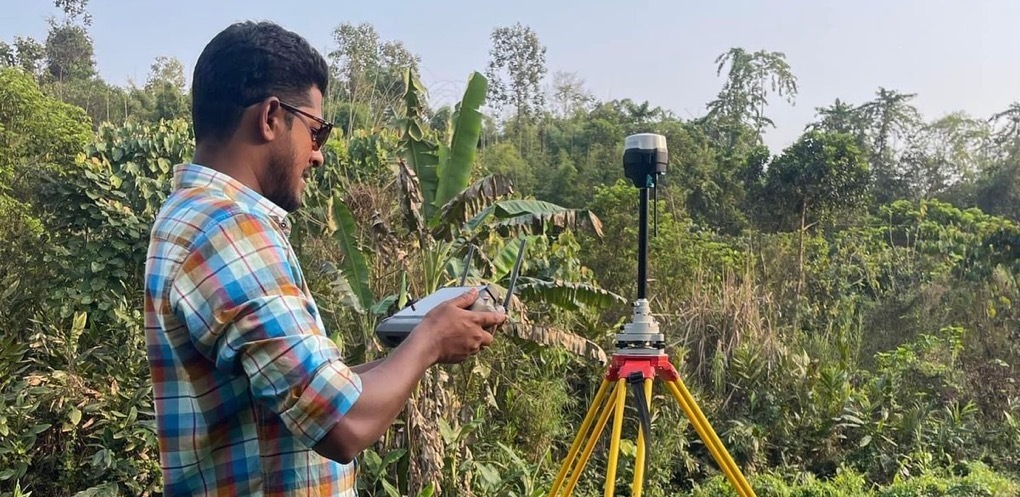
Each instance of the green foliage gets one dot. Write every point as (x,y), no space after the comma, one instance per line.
(355,267)
(77,416)
(888,118)
(419,150)
(37,133)
(113,195)
(370,155)
(20,268)
(69,53)
(366,80)
(38,136)
(25,53)
(820,175)
(164,93)
(977,481)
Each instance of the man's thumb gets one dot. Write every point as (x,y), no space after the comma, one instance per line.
(467,298)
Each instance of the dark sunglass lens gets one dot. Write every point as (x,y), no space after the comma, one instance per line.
(321,135)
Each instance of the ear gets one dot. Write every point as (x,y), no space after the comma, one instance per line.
(270,119)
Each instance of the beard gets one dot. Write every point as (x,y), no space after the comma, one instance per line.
(283,189)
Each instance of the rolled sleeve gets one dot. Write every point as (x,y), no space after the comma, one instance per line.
(332,392)
(239,295)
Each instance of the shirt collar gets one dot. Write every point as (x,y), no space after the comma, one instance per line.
(197,176)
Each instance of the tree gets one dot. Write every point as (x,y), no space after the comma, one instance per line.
(25,53)
(944,154)
(1007,134)
(569,94)
(166,71)
(516,68)
(368,73)
(39,137)
(105,102)
(750,79)
(819,175)
(644,113)
(74,9)
(8,55)
(999,189)
(166,87)
(840,117)
(999,192)
(711,181)
(890,120)
(503,158)
(560,183)
(69,53)
(733,126)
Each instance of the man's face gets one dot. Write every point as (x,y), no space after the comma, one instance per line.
(291,163)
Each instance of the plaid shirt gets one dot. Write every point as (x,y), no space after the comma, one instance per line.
(245,379)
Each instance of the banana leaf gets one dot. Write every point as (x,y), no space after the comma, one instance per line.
(566,294)
(503,262)
(536,214)
(412,202)
(420,152)
(553,337)
(354,267)
(470,202)
(455,170)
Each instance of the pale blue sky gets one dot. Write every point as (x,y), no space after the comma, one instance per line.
(955,55)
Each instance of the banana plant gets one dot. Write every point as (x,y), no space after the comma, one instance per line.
(448,214)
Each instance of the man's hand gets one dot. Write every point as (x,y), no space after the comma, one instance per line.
(450,333)
(455,333)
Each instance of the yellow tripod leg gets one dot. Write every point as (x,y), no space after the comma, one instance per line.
(639,462)
(589,446)
(614,443)
(596,405)
(708,435)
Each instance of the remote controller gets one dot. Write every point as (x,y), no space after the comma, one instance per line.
(394,329)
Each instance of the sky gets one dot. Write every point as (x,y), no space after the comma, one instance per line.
(955,55)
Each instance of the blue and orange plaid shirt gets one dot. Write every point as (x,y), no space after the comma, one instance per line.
(245,379)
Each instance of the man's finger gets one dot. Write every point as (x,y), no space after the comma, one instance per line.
(486,340)
(487,319)
(467,298)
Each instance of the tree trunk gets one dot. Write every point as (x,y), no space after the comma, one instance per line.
(425,444)
(520,136)
(800,255)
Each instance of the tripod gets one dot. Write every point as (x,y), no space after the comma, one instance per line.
(639,359)
(608,403)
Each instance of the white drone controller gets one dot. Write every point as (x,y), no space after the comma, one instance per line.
(394,329)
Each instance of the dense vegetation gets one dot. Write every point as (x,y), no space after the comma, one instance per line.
(844,309)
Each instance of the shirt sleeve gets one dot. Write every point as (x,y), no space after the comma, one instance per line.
(238,294)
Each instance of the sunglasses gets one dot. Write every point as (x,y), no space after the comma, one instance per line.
(320,134)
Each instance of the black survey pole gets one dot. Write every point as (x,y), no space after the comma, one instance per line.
(642,268)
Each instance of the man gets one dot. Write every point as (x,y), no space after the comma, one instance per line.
(251,396)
